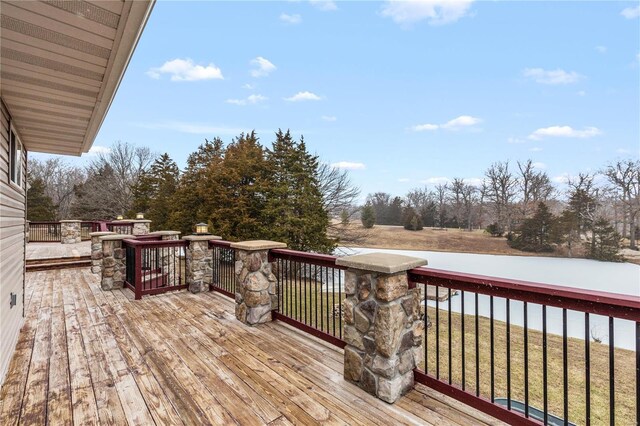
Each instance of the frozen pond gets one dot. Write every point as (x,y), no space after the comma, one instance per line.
(623,278)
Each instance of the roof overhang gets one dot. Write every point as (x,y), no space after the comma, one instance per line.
(61,64)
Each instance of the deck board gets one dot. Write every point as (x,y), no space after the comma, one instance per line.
(86,356)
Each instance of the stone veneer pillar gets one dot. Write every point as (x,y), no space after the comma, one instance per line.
(256,285)
(141,226)
(383,330)
(96,251)
(70,231)
(199,262)
(114,266)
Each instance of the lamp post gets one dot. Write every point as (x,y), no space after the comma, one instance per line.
(119,217)
(202,229)
(139,216)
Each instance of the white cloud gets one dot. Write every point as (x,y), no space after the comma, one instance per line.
(436,12)
(329,118)
(97,150)
(539,166)
(565,132)
(477,182)
(558,76)
(324,5)
(425,127)
(462,121)
(193,128)
(186,70)
(250,100)
(294,19)
(440,180)
(535,149)
(404,180)
(348,165)
(263,67)
(248,86)
(631,12)
(563,178)
(601,49)
(303,96)
(582,93)
(454,124)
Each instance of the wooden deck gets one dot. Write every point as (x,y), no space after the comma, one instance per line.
(91,357)
(57,250)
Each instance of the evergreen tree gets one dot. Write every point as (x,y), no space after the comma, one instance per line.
(368,216)
(535,233)
(294,208)
(411,220)
(40,207)
(155,191)
(344,217)
(605,242)
(92,197)
(198,188)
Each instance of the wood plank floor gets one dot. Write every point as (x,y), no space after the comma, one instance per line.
(57,250)
(91,357)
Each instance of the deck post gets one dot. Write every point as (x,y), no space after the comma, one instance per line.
(70,231)
(256,285)
(114,266)
(199,262)
(383,330)
(96,251)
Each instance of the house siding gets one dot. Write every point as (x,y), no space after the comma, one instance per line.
(12,248)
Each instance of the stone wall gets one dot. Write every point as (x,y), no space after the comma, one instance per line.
(96,251)
(141,227)
(114,266)
(199,262)
(256,285)
(70,231)
(383,327)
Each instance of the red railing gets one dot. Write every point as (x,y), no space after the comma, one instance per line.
(154,267)
(120,227)
(223,278)
(473,379)
(51,232)
(87,227)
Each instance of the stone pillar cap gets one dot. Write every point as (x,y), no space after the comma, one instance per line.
(70,220)
(164,233)
(139,221)
(385,263)
(101,233)
(257,245)
(201,237)
(116,237)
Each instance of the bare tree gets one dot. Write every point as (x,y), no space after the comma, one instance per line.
(624,176)
(127,162)
(499,189)
(535,187)
(441,200)
(471,203)
(60,179)
(456,199)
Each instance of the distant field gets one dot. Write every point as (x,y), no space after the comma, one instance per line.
(448,240)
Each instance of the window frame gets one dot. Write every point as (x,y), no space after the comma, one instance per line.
(16,149)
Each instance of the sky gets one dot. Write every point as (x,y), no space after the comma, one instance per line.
(402,94)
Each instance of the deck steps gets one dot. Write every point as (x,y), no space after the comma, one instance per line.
(51,263)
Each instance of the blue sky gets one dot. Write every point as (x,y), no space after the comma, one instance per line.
(402,93)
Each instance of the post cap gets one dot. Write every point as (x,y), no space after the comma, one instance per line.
(257,245)
(385,263)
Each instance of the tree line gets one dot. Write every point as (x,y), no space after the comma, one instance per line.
(593,212)
(242,190)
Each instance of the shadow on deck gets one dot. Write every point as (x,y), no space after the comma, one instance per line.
(86,356)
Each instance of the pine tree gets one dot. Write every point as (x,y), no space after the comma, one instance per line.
(605,242)
(154,194)
(368,216)
(411,220)
(294,209)
(40,207)
(535,233)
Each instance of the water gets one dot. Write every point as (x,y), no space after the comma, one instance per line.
(621,278)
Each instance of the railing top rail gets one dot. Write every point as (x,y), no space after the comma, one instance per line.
(597,302)
(163,243)
(44,222)
(220,243)
(304,257)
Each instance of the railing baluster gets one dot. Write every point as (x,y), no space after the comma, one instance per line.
(544,364)
(526,361)
(438,332)
(508,354)
(477,330)
(637,372)
(565,372)
(612,384)
(462,334)
(587,369)
(449,327)
(426,330)
(491,353)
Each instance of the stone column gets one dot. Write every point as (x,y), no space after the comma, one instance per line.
(256,285)
(96,251)
(70,231)
(141,226)
(199,262)
(383,330)
(114,266)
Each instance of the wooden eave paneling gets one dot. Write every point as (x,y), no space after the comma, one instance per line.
(61,64)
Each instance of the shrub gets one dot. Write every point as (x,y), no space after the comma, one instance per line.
(411,220)
(494,230)
(368,216)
